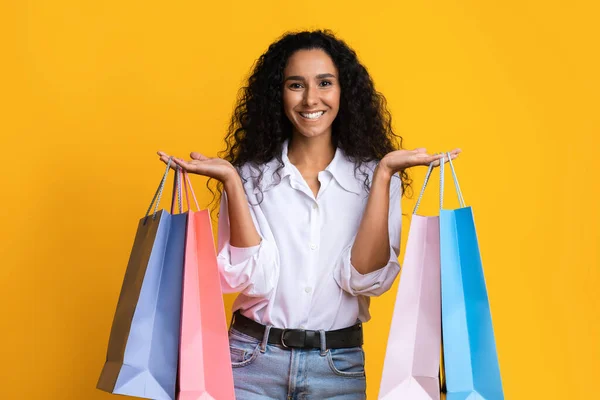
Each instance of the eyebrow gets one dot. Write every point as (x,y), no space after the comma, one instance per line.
(301,78)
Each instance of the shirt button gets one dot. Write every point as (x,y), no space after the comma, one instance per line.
(302,327)
(315,206)
(313,246)
(308,289)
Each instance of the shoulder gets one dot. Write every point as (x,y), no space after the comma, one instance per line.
(260,176)
(368,169)
(250,170)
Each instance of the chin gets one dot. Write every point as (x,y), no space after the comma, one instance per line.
(313,131)
(312,134)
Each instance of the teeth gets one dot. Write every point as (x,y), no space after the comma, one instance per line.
(314,115)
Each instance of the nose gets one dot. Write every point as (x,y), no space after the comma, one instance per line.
(311,96)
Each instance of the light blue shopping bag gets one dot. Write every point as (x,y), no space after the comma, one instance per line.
(143,349)
(470,360)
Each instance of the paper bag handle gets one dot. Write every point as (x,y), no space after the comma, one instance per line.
(159,191)
(177,191)
(188,183)
(423,188)
(461,199)
(455,178)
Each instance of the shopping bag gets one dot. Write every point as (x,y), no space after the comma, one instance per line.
(412,359)
(143,347)
(470,360)
(204,363)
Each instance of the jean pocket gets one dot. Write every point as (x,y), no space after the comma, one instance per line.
(348,362)
(243,350)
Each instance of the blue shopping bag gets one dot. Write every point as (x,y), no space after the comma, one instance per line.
(143,348)
(470,360)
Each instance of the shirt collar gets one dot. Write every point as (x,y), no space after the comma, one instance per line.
(341,168)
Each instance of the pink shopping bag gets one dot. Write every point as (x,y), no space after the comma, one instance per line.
(204,360)
(412,359)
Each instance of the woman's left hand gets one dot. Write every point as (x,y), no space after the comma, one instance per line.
(401,159)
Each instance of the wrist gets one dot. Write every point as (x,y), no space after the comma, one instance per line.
(232,182)
(383,173)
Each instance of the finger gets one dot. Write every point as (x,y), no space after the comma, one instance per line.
(436,159)
(423,159)
(186,165)
(162,155)
(446,158)
(420,150)
(182,163)
(165,159)
(197,156)
(455,152)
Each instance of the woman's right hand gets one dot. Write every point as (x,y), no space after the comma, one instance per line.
(214,167)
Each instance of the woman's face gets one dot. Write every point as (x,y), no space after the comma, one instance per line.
(311,92)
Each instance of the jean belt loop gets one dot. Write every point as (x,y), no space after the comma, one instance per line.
(265,340)
(323,342)
(231,321)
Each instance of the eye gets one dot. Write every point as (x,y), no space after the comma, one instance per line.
(295,86)
(325,83)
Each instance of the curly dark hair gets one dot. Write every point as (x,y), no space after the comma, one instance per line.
(259,126)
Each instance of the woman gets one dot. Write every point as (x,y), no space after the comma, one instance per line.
(309,226)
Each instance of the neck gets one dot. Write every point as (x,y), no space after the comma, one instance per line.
(311,152)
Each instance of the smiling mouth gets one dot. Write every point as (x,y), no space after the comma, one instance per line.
(312,116)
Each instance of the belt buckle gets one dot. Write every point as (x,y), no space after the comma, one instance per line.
(283,341)
(286,346)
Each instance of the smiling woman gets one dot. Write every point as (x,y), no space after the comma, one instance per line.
(311,94)
(295,72)
(309,226)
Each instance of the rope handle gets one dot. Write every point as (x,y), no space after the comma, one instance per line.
(158,193)
(442,182)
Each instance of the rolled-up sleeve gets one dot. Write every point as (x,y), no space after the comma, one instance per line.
(377,282)
(253,271)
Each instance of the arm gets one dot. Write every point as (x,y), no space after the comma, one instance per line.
(371,265)
(386,224)
(243,232)
(371,249)
(369,253)
(247,256)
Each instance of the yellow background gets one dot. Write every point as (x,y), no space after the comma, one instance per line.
(91,89)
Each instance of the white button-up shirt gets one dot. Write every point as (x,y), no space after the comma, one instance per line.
(300,275)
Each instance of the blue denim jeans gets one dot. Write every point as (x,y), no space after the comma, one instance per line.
(266,371)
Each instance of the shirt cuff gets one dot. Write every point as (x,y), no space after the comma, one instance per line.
(240,254)
(360,282)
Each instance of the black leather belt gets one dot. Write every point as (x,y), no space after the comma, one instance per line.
(300,338)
